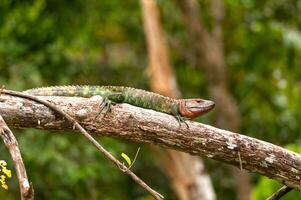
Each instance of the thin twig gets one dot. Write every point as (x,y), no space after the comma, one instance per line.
(123,168)
(26,188)
(135,158)
(240,161)
(280,193)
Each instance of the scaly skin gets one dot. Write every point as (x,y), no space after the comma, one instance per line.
(187,108)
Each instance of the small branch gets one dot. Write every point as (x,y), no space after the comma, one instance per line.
(26,188)
(147,126)
(121,166)
(280,193)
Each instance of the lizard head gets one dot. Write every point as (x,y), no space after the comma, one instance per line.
(192,108)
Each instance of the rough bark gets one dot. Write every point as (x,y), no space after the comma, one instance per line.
(186,172)
(147,126)
(208,49)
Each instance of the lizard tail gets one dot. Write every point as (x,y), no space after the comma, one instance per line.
(83,91)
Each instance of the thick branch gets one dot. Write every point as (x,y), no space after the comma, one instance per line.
(147,126)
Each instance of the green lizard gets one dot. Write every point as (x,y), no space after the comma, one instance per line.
(180,108)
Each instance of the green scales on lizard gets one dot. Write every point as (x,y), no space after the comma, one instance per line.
(180,108)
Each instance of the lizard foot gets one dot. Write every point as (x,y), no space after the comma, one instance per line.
(105,106)
(181,119)
(108,101)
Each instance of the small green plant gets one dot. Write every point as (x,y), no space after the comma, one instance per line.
(127,158)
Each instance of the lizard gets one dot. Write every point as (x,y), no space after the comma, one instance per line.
(182,109)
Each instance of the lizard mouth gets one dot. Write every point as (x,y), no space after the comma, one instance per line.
(201,104)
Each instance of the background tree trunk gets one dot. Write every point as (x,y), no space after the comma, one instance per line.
(186,172)
(208,49)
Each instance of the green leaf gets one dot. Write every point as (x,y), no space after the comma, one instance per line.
(126,158)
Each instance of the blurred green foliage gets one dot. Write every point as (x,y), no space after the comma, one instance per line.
(49,42)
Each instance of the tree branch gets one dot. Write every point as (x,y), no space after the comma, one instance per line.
(26,188)
(147,126)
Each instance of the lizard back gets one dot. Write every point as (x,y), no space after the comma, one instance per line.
(133,96)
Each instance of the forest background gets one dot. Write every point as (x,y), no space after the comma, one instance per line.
(48,42)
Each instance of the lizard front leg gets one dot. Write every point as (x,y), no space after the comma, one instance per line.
(181,120)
